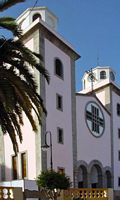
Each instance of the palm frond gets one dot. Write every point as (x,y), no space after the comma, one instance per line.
(7,127)
(18,111)
(43,71)
(5,4)
(7,94)
(38,55)
(25,55)
(23,87)
(18,87)
(16,125)
(11,25)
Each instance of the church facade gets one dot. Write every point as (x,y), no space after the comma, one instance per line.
(98,102)
(83,127)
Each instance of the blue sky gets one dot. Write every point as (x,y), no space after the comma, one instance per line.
(91,26)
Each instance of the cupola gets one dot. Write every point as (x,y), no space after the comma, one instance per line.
(42,13)
(96,77)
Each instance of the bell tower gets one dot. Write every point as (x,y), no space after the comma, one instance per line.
(41,13)
(98,80)
(97,77)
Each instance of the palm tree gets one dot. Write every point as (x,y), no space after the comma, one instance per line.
(18,89)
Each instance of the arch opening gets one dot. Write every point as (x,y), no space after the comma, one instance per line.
(36,16)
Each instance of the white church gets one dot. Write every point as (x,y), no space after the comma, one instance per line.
(82,129)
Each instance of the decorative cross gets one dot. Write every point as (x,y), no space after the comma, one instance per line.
(96,120)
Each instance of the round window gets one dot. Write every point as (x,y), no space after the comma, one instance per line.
(95,119)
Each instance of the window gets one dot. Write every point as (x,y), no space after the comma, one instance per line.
(119,133)
(58,68)
(102,75)
(119,181)
(95,124)
(84,84)
(95,119)
(60,135)
(80,184)
(59,102)
(61,170)
(35,16)
(118,109)
(112,76)
(24,165)
(14,167)
(119,155)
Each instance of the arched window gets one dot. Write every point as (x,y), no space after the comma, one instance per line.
(108,179)
(84,84)
(112,76)
(82,177)
(96,177)
(35,16)
(58,68)
(102,75)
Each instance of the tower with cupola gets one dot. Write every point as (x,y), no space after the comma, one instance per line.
(39,26)
(97,77)
(99,81)
(41,13)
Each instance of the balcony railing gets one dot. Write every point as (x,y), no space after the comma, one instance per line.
(6,193)
(14,193)
(87,194)
(11,193)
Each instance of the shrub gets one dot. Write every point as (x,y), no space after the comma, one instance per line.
(53,180)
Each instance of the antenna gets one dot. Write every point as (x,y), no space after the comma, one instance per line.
(98,59)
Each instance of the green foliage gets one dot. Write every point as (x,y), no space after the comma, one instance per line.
(18,88)
(53,180)
(5,4)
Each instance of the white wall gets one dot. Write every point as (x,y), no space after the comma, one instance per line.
(116,140)
(28,146)
(89,147)
(101,96)
(62,153)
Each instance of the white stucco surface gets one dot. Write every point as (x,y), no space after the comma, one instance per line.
(28,146)
(62,153)
(116,139)
(90,147)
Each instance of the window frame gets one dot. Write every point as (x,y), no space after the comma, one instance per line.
(118,109)
(61,170)
(61,75)
(58,140)
(112,76)
(103,75)
(22,168)
(119,155)
(118,133)
(94,116)
(118,181)
(59,102)
(14,177)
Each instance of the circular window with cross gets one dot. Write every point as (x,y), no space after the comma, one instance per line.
(95,119)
